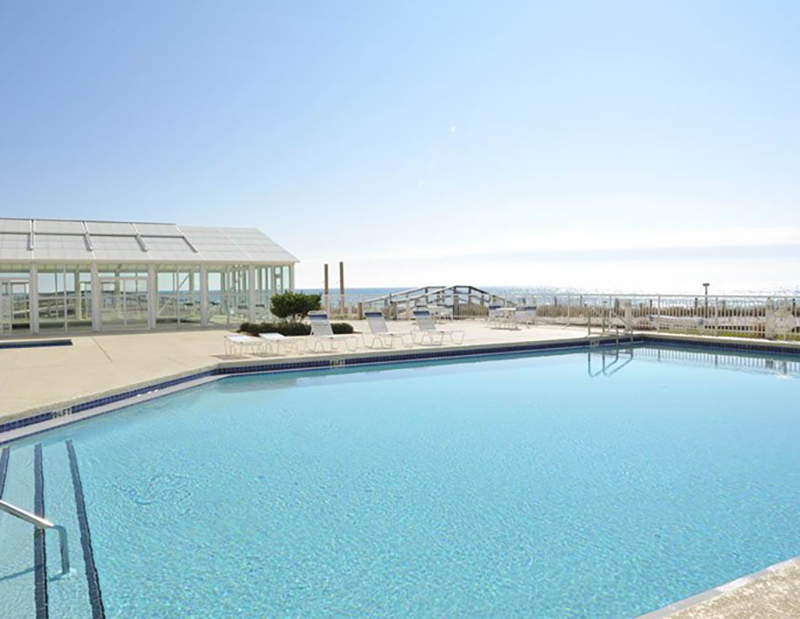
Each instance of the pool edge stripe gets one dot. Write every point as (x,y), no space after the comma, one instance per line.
(92,578)
(39,546)
(3,469)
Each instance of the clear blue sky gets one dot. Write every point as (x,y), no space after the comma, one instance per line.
(632,145)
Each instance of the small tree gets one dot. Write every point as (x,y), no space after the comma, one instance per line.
(294,306)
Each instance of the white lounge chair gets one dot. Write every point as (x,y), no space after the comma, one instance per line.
(280,344)
(322,333)
(240,343)
(440,312)
(428,331)
(667,323)
(503,317)
(381,335)
(526,314)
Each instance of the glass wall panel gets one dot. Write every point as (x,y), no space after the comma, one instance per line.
(178,295)
(238,294)
(15,303)
(65,297)
(217,299)
(285,279)
(263,286)
(123,296)
(228,295)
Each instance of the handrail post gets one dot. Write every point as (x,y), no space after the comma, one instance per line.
(42,523)
(63,544)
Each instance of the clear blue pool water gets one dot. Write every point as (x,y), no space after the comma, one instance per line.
(507,487)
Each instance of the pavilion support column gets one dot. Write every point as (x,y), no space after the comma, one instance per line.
(97,315)
(203,295)
(291,277)
(152,296)
(33,298)
(78,298)
(251,293)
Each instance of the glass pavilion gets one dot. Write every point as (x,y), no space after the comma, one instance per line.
(71,276)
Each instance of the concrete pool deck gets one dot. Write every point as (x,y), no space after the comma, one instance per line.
(773,592)
(39,379)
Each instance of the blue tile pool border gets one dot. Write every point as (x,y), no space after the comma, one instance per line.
(354,360)
(717,344)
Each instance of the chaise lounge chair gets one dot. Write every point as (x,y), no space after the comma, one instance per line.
(381,335)
(428,331)
(275,343)
(322,334)
(238,343)
(502,317)
(526,315)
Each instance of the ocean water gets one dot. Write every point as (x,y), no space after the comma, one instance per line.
(529,486)
(367,293)
(543,293)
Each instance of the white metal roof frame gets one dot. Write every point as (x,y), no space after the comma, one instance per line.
(69,241)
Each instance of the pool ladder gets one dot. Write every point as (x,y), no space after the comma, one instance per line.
(42,523)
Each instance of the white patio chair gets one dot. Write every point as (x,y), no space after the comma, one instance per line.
(427,329)
(526,314)
(503,317)
(240,343)
(382,335)
(322,334)
(440,312)
(276,343)
(671,323)
(495,315)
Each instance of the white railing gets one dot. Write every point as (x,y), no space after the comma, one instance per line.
(736,316)
(751,316)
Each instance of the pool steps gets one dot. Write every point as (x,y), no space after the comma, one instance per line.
(44,479)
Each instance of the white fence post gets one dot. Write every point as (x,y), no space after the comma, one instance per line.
(658,313)
(628,315)
(769,320)
(569,305)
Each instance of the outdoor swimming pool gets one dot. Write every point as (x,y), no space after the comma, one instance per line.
(547,485)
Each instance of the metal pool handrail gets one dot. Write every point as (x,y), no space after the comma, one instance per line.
(42,523)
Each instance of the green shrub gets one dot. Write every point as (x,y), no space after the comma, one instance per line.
(284,327)
(290,328)
(294,306)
